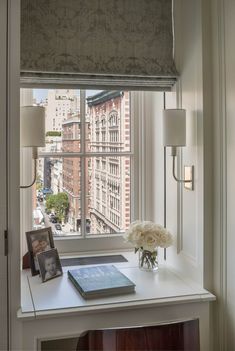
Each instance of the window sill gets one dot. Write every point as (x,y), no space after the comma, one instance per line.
(93,243)
(58,297)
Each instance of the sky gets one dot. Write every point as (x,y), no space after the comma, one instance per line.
(41,94)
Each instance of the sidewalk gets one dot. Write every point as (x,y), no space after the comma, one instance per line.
(68,228)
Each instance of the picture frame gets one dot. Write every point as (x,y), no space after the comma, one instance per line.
(49,264)
(38,241)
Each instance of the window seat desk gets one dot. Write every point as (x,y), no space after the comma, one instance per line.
(55,309)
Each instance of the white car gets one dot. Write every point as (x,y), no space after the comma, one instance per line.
(58,229)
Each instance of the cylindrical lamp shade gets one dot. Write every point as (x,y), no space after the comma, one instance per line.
(174,127)
(32,126)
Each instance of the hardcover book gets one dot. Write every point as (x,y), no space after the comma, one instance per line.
(99,281)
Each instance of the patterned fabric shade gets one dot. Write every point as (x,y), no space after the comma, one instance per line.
(125,42)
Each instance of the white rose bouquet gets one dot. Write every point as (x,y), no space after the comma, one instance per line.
(146,236)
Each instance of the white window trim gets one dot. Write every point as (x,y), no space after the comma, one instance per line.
(99,242)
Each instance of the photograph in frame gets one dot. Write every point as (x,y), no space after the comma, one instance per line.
(49,264)
(38,241)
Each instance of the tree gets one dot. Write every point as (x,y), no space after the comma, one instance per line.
(53,133)
(62,205)
(59,203)
(50,202)
(38,182)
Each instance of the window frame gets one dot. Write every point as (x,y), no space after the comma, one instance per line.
(142,110)
(107,242)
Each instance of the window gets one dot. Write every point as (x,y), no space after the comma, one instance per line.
(113,118)
(82,174)
(103,176)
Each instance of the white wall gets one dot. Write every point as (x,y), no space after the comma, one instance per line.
(224,165)
(184,208)
(208,92)
(154,105)
(187,226)
(154,162)
(189,57)
(13,93)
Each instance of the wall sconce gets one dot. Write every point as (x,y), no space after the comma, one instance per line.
(174,135)
(32,132)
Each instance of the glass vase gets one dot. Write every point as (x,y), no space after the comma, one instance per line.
(148,260)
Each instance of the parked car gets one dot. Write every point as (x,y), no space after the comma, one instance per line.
(58,226)
(40,197)
(38,226)
(47,191)
(58,229)
(52,218)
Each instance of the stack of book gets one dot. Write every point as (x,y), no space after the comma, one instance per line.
(99,281)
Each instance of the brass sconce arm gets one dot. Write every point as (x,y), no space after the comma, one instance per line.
(35,156)
(34,178)
(188,180)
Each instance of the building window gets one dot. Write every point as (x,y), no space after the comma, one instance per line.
(103,121)
(113,118)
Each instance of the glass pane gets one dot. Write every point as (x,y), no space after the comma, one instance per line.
(108,194)
(62,119)
(108,121)
(57,196)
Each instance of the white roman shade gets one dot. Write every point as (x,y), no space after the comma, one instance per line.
(98,42)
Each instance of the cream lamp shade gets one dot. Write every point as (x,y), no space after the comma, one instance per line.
(174,127)
(32,126)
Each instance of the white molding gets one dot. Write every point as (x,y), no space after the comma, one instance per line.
(45,328)
(101,242)
(223,172)
(13,102)
(190,258)
(179,185)
(3,175)
(139,108)
(223,136)
(220,161)
(177,8)
(83,190)
(180,188)
(189,95)
(26,98)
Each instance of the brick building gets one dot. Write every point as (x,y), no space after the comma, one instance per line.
(71,142)
(109,113)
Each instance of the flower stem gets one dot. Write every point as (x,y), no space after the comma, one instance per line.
(148,259)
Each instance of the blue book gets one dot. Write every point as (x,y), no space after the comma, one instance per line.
(99,281)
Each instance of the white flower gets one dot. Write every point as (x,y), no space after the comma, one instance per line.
(148,235)
(150,242)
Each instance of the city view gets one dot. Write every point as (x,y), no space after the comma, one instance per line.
(84,172)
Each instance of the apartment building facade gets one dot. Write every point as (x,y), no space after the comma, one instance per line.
(58,105)
(110,175)
(71,172)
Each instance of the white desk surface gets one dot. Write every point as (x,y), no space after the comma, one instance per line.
(59,296)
